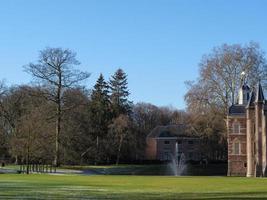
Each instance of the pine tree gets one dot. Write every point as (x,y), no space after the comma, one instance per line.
(100,94)
(100,115)
(119,94)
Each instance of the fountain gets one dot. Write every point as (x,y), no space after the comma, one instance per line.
(178,163)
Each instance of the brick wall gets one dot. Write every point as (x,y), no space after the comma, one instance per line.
(151,149)
(237,163)
(165,151)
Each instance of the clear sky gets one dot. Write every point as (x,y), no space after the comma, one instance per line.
(158,43)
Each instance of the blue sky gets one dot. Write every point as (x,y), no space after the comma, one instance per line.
(158,43)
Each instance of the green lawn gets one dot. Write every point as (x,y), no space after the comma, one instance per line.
(125,169)
(17,186)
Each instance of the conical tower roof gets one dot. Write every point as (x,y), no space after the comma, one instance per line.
(259,94)
(251,99)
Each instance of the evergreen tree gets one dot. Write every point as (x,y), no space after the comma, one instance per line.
(100,96)
(100,115)
(119,94)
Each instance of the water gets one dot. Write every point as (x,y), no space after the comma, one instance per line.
(178,164)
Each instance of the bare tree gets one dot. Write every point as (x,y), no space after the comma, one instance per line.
(55,72)
(220,75)
(120,128)
(31,136)
(10,111)
(209,97)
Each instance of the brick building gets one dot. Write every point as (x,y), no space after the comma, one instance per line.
(162,140)
(246,126)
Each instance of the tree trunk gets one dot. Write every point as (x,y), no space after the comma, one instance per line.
(118,156)
(119,151)
(16,160)
(58,130)
(97,150)
(58,123)
(28,158)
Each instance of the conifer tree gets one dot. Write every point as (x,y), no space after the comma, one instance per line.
(100,114)
(121,110)
(119,94)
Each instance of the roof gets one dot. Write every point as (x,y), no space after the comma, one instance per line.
(169,131)
(259,94)
(237,109)
(256,95)
(245,87)
(251,99)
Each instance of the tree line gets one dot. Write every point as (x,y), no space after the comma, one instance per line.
(58,120)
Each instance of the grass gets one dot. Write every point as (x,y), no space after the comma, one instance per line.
(155,169)
(124,169)
(130,187)
(14,167)
(159,169)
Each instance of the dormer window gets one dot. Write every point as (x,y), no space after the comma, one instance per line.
(236,128)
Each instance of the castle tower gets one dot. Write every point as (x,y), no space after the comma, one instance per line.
(264,142)
(259,110)
(244,94)
(250,114)
(244,90)
(237,133)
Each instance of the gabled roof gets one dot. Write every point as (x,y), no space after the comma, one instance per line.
(169,131)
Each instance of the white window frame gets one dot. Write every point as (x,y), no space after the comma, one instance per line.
(236,126)
(236,142)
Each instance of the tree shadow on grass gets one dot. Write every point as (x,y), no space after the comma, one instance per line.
(222,196)
(24,194)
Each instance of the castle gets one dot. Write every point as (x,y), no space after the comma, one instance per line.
(246,127)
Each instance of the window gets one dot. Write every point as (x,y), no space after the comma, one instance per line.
(237,148)
(166,142)
(179,142)
(166,156)
(190,155)
(190,142)
(236,128)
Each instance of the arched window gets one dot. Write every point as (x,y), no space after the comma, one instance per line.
(236,128)
(236,147)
